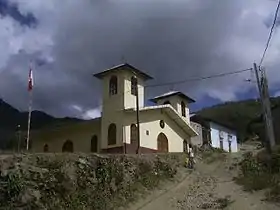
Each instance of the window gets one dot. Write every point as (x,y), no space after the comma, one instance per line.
(46,148)
(183,107)
(161,123)
(68,146)
(94,144)
(134,85)
(113,86)
(112,134)
(147,132)
(166,102)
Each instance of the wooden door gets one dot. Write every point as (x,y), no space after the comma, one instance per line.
(162,143)
(68,146)
(94,144)
(133,138)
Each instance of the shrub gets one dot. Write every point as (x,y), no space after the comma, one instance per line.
(72,181)
(261,172)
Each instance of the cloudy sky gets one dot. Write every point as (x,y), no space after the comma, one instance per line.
(169,39)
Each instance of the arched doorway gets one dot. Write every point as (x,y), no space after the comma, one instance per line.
(68,146)
(94,144)
(46,148)
(162,143)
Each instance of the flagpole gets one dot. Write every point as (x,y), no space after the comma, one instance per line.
(29,119)
(30,87)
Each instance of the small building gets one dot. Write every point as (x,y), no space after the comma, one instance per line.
(197,140)
(215,134)
(164,127)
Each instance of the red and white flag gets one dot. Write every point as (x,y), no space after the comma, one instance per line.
(30,80)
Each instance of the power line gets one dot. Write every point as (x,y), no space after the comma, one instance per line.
(172,83)
(270,34)
(200,78)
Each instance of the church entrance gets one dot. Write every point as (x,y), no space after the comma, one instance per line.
(68,146)
(162,143)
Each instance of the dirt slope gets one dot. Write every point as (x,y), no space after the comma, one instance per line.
(210,186)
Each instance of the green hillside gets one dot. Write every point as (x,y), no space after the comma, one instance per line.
(10,118)
(237,114)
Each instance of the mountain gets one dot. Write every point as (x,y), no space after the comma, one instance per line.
(237,115)
(10,118)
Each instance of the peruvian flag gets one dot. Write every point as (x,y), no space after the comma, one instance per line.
(30,80)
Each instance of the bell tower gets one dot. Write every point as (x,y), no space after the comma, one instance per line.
(119,88)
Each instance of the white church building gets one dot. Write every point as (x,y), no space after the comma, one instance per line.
(164,127)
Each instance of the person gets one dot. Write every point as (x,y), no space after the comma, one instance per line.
(191,157)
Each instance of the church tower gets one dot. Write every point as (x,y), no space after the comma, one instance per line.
(119,88)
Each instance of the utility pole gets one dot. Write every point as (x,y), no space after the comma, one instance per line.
(137,117)
(268,110)
(265,103)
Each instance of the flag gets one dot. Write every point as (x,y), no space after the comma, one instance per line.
(30,80)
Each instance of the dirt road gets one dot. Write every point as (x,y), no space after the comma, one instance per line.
(210,186)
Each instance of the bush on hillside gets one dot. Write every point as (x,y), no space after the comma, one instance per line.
(69,181)
(261,172)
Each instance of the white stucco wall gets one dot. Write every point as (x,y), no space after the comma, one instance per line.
(197,140)
(150,122)
(129,99)
(215,137)
(113,106)
(79,133)
(175,102)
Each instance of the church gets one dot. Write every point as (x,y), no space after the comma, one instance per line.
(163,127)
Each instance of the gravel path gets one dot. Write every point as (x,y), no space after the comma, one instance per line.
(209,186)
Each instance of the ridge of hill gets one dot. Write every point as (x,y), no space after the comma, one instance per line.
(10,118)
(237,115)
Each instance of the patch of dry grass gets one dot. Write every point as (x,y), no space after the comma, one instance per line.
(261,172)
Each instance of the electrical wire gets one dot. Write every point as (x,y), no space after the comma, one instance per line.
(199,78)
(270,33)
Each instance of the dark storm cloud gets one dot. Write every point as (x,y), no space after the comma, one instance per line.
(170,40)
(10,9)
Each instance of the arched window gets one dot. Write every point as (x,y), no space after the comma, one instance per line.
(94,144)
(133,137)
(166,102)
(112,134)
(134,85)
(183,108)
(46,148)
(68,146)
(113,86)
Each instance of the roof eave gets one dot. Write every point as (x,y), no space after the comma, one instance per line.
(145,76)
(156,99)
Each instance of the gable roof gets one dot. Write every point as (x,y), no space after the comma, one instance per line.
(204,121)
(172,114)
(173,93)
(123,67)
